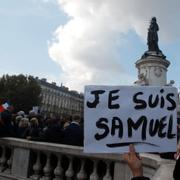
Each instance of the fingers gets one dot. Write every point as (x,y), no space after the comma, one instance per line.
(132,149)
(132,152)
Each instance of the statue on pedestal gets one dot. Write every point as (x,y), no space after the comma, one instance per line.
(152,41)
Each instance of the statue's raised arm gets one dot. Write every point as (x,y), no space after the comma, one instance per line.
(152,39)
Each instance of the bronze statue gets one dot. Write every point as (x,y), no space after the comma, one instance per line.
(152,39)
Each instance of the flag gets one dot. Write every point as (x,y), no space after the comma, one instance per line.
(3,107)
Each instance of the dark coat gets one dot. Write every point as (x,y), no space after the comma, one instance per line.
(6,126)
(21,131)
(73,135)
(31,131)
(51,134)
(176,173)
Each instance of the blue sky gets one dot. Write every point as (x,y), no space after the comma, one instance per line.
(26,28)
(79,42)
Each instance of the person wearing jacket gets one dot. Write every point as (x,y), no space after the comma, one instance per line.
(73,134)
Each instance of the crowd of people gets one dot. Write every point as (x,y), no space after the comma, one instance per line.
(67,130)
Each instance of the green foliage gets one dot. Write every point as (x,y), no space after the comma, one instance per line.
(23,92)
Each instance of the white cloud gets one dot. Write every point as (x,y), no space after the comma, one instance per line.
(86,47)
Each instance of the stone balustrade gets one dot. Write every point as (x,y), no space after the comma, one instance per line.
(22,159)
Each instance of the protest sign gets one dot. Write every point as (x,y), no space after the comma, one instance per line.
(116,116)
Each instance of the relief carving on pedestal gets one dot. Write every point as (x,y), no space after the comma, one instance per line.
(142,78)
(158,71)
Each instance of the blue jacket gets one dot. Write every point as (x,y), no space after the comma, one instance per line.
(73,135)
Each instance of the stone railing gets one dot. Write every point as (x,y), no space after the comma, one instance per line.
(22,159)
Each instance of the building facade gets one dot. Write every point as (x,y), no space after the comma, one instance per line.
(59,100)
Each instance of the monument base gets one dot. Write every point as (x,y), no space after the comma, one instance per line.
(153,53)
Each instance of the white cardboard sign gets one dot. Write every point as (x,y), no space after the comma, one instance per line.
(116,116)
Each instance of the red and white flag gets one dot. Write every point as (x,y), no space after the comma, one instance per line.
(3,107)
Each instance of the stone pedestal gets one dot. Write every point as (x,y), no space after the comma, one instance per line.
(152,70)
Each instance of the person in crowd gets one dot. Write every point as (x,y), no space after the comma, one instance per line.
(16,121)
(32,114)
(33,130)
(40,120)
(21,113)
(135,164)
(45,123)
(65,122)
(73,134)
(6,125)
(22,127)
(51,133)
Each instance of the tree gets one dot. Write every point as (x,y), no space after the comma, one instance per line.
(23,92)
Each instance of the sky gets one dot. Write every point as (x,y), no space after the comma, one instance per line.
(85,42)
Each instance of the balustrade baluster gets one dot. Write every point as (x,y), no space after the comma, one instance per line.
(58,171)
(82,174)
(9,162)
(47,168)
(108,174)
(70,172)
(37,167)
(3,159)
(94,175)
